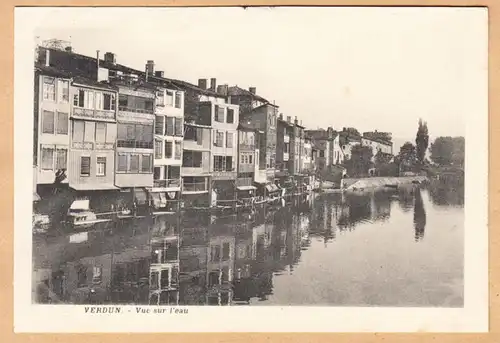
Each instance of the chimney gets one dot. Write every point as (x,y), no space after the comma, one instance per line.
(281,116)
(68,49)
(289,119)
(252,90)
(202,83)
(223,89)
(150,67)
(47,57)
(97,59)
(110,57)
(159,73)
(213,84)
(296,121)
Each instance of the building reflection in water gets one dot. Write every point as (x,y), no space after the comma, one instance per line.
(419,216)
(202,260)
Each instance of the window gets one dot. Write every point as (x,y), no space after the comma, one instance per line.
(287,148)
(230,115)
(223,163)
(48,122)
(219,114)
(229,139)
(178,151)
(85,166)
(178,99)
(215,253)
(62,123)
(225,251)
(146,164)
(96,275)
(101,166)
(159,123)
(89,99)
(158,149)
(133,103)
(178,126)
(169,126)
(219,138)
(49,88)
(229,163)
(242,158)
(168,149)
(135,136)
(89,135)
(79,98)
(191,159)
(250,157)
(63,87)
(47,158)
(61,159)
(169,98)
(78,130)
(122,163)
(134,163)
(100,132)
(109,102)
(98,101)
(322,153)
(160,98)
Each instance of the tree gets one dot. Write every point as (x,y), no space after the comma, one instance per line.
(447,151)
(352,131)
(360,160)
(407,156)
(421,141)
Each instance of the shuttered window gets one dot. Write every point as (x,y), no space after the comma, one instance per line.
(48,122)
(47,158)
(229,139)
(146,164)
(122,163)
(160,120)
(100,133)
(62,123)
(178,151)
(178,126)
(169,126)
(168,149)
(61,159)
(134,163)
(230,116)
(84,166)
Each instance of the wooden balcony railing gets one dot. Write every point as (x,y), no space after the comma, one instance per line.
(244,181)
(194,187)
(93,114)
(167,183)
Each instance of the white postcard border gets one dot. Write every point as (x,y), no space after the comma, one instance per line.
(71,318)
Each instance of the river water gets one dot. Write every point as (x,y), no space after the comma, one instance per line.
(390,248)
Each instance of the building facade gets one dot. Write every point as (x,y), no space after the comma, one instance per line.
(93,136)
(51,123)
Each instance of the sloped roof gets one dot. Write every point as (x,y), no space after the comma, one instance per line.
(54,72)
(237,91)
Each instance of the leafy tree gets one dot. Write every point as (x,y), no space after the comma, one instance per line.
(352,131)
(421,141)
(407,156)
(360,160)
(448,151)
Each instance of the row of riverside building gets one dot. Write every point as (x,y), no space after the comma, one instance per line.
(114,133)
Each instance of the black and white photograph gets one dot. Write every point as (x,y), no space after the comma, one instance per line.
(251,169)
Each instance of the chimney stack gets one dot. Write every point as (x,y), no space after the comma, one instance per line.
(296,121)
(252,90)
(159,73)
(202,83)
(150,67)
(68,49)
(281,116)
(223,89)
(47,57)
(110,57)
(213,84)
(289,119)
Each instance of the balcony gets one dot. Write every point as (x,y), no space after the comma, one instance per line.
(83,145)
(135,110)
(224,175)
(246,147)
(286,138)
(244,181)
(85,113)
(104,146)
(134,144)
(167,183)
(195,187)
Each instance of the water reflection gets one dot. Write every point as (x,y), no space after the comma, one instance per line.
(204,260)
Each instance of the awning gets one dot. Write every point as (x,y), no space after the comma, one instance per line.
(140,196)
(36,197)
(246,188)
(93,187)
(83,205)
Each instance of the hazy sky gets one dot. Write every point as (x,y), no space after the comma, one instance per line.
(370,68)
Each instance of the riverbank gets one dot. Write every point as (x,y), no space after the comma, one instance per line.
(379,182)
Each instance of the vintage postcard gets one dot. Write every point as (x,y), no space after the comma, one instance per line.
(286,169)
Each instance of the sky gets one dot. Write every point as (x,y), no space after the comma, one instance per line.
(368,68)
